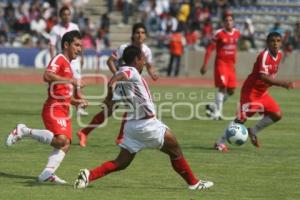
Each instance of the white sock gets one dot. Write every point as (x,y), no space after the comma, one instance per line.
(261,124)
(54,160)
(222,139)
(219,103)
(41,135)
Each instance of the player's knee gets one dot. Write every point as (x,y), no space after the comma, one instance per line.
(61,142)
(277,117)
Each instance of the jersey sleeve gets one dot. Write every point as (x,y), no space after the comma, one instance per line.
(127,72)
(54,65)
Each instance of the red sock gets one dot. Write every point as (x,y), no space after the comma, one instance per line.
(121,132)
(103,170)
(96,121)
(183,169)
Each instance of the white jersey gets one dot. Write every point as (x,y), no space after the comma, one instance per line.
(117,54)
(57,33)
(134,92)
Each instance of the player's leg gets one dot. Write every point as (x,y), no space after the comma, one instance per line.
(97,120)
(61,144)
(179,164)
(244,111)
(272,114)
(120,136)
(122,161)
(21,131)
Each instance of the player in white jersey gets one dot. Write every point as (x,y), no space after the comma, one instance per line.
(56,35)
(143,129)
(138,38)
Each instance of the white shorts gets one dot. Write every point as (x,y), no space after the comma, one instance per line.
(75,66)
(140,134)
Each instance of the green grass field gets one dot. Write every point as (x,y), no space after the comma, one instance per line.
(272,172)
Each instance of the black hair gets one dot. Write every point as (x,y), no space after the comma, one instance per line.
(69,37)
(63,9)
(227,15)
(137,26)
(130,53)
(273,34)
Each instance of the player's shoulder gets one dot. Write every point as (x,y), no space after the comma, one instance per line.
(123,46)
(56,28)
(146,48)
(236,31)
(219,31)
(74,26)
(60,58)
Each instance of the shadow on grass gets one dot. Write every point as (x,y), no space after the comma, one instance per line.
(30,180)
(7,175)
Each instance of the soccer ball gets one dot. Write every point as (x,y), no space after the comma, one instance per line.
(236,134)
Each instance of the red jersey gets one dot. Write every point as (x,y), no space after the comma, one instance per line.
(265,64)
(226,44)
(57,91)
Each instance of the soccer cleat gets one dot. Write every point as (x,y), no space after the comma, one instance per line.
(253,138)
(221,147)
(51,178)
(209,110)
(201,185)
(82,138)
(82,180)
(15,135)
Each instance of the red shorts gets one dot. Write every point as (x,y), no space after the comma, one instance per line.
(57,120)
(249,105)
(225,75)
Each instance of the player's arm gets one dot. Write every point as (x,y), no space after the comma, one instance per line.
(52,50)
(272,81)
(117,77)
(209,49)
(51,77)
(111,64)
(151,71)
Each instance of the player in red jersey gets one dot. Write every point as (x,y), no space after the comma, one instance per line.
(225,41)
(255,97)
(139,33)
(56,110)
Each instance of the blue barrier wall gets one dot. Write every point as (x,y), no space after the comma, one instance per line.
(39,58)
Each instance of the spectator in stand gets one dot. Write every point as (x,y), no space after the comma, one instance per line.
(247,34)
(176,47)
(3,28)
(296,35)
(192,38)
(277,28)
(183,15)
(87,40)
(288,44)
(38,27)
(168,25)
(207,31)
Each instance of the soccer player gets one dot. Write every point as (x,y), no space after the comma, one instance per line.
(143,129)
(56,35)
(255,97)
(225,41)
(56,110)
(138,38)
